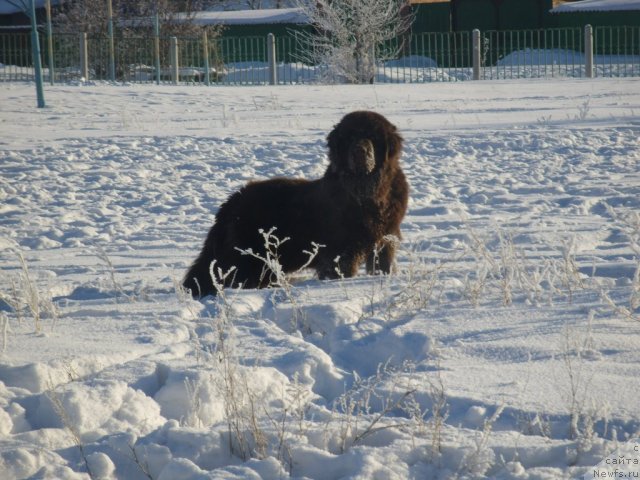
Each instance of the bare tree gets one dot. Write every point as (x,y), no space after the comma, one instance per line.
(130,17)
(349,35)
(132,20)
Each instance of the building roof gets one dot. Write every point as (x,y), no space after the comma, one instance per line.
(252,17)
(7,7)
(597,6)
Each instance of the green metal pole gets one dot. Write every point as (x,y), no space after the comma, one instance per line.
(112,54)
(35,51)
(50,43)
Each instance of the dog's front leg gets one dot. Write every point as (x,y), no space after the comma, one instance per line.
(342,266)
(382,258)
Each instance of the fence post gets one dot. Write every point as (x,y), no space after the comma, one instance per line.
(588,51)
(477,58)
(156,44)
(175,70)
(50,43)
(112,49)
(84,57)
(373,65)
(205,53)
(271,59)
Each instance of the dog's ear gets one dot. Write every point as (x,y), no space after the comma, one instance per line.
(332,139)
(394,142)
(332,145)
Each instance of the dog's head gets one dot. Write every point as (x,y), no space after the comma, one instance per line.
(364,144)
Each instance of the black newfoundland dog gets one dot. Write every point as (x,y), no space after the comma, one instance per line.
(354,211)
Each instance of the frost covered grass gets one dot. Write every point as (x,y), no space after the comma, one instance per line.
(504,346)
(23,295)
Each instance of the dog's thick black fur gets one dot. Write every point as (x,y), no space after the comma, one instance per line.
(353,211)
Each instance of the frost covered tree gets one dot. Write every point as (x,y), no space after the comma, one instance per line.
(349,34)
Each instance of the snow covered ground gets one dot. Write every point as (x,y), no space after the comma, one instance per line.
(506,346)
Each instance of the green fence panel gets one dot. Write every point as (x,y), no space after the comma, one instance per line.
(417,57)
(532,53)
(15,56)
(617,51)
(426,57)
(244,60)
(66,57)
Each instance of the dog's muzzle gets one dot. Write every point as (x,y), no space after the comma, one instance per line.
(362,158)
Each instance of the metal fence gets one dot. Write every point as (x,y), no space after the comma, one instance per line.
(533,53)
(420,58)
